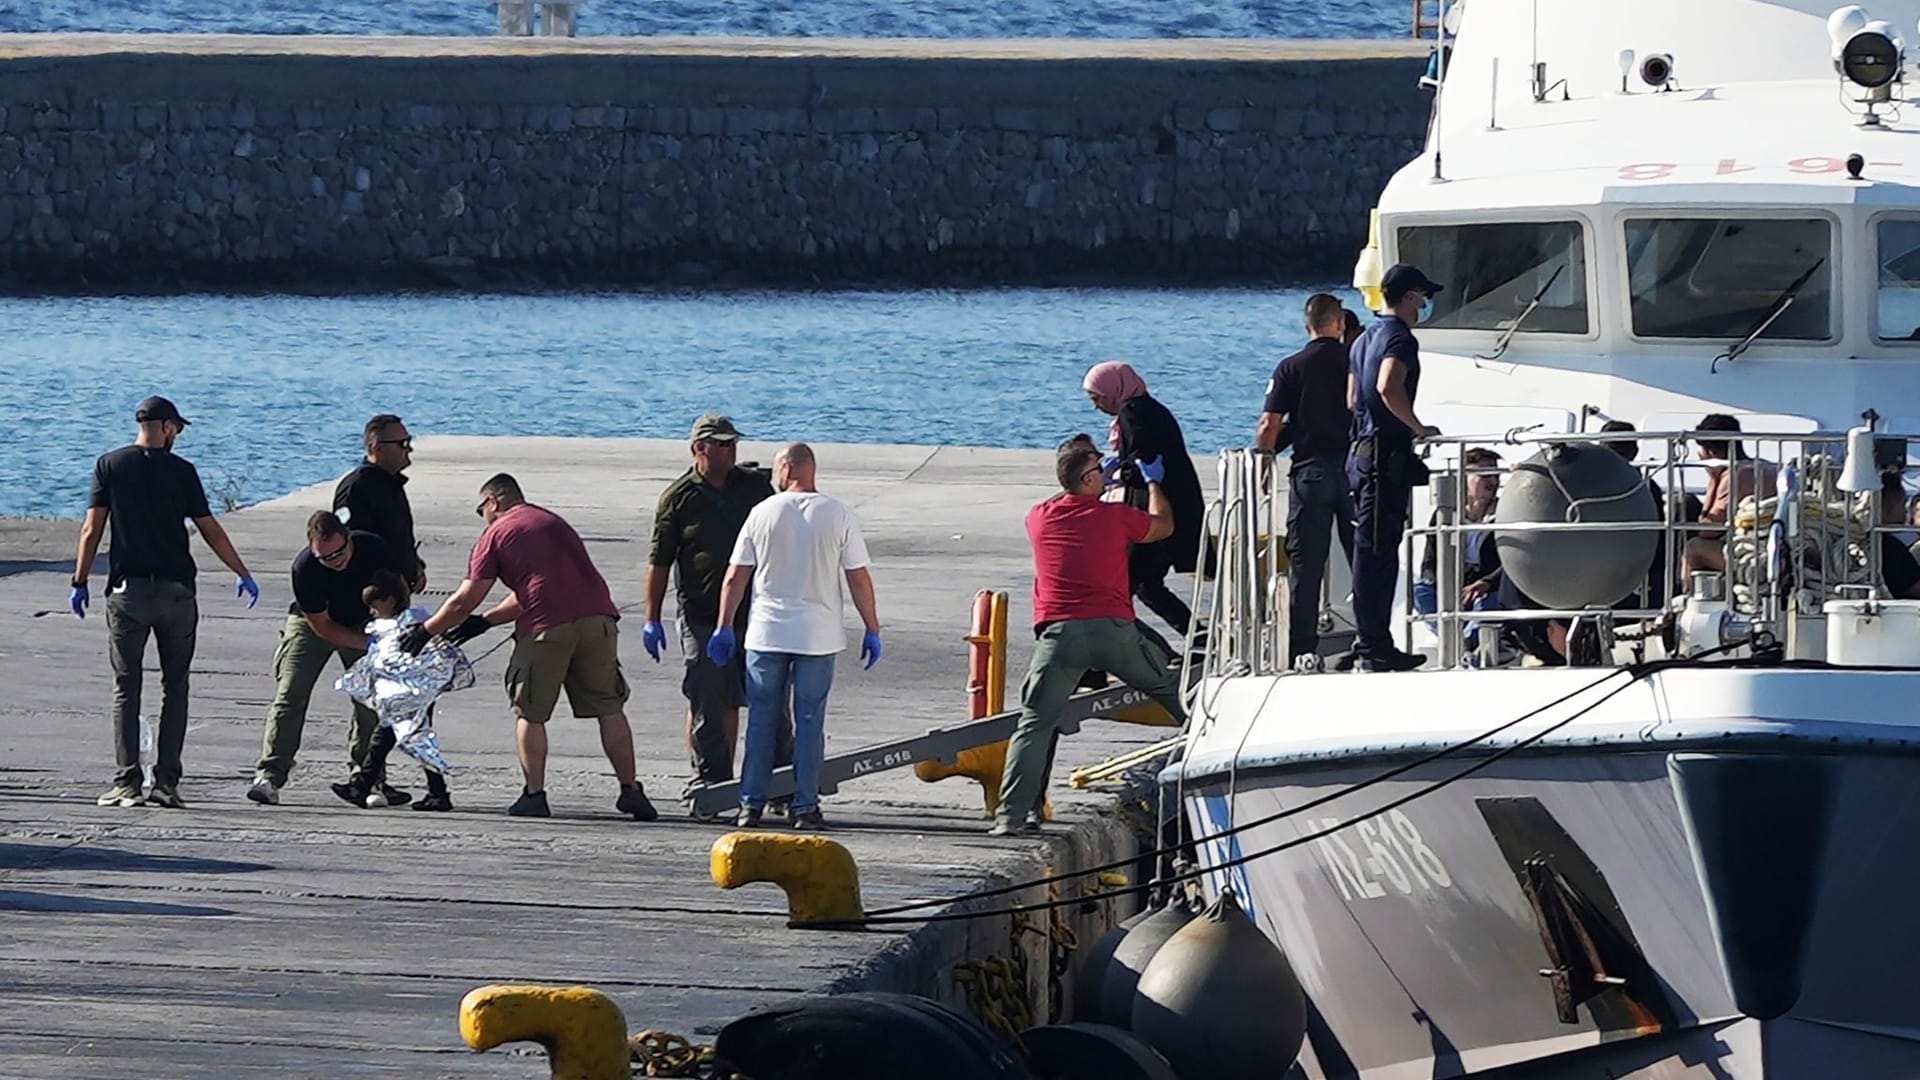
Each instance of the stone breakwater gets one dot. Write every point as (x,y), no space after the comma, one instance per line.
(341,163)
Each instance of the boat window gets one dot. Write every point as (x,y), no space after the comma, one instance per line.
(1722,278)
(1896,314)
(1492,272)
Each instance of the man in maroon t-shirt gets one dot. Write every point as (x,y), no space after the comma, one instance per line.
(566,634)
(1083,618)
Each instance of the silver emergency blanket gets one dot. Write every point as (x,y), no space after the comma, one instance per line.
(400,688)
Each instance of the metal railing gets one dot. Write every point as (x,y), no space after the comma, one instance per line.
(1792,540)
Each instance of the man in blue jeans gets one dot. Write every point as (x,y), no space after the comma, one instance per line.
(793,549)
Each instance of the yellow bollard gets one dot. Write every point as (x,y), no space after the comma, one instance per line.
(583,1030)
(817,874)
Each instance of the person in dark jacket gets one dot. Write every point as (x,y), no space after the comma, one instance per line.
(1143,429)
(373,497)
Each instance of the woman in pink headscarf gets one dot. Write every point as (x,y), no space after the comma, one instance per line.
(1143,429)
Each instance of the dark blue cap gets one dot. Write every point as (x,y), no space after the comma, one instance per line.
(1401,279)
(155,409)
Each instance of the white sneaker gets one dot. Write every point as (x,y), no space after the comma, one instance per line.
(264,791)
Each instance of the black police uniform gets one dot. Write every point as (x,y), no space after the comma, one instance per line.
(1382,471)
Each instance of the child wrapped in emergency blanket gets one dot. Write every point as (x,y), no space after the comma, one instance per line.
(401,689)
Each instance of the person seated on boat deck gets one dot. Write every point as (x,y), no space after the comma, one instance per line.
(1899,568)
(1481,573)
(1082,618)
(1739,477)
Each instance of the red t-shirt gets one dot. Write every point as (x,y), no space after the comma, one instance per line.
(539,556)
(1080,557)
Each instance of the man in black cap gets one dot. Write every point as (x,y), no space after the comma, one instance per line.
(1382,468)
(695,528)
(146,495)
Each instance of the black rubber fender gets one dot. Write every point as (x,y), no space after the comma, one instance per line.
(864,1036)
(1084,1051)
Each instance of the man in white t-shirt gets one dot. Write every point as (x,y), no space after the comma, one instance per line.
(793,550)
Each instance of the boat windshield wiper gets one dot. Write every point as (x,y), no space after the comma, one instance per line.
(1506,338)
(1774,310)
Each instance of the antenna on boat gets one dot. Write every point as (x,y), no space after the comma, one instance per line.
(1440,82)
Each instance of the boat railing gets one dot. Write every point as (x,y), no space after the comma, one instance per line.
(1803,527)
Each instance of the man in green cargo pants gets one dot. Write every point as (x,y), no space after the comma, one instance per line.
(1082,618)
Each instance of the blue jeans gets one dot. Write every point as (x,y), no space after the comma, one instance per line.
(1426,601)
(769,674)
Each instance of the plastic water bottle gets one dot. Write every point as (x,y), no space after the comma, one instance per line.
(146,750)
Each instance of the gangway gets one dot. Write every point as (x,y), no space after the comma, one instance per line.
(1115,702)
(992,723)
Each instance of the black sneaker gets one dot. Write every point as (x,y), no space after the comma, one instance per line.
(633,800)
(1393,661)
(781,807)
(165,795)
(388,795)
(354,791)
(434,801)
(809,821)
(530,804)
(750,817)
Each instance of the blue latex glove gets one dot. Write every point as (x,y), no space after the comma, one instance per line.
(78,600)
(1151,471)
(870,648)
(653,636)
(1110,465)
(720,646)
(250,589)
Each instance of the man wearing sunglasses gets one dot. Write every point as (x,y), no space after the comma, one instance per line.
(373,497)
(328,618)
(1082,618)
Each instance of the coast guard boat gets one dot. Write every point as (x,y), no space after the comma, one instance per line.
(1691,852)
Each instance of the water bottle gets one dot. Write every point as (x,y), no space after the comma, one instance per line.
(146,751)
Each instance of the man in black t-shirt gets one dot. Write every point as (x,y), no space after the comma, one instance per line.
(1306,408)
(328,618)
(146,495)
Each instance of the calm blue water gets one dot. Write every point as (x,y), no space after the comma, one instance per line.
(279,387)
(795,18)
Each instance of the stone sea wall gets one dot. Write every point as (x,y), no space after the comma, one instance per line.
(622,162)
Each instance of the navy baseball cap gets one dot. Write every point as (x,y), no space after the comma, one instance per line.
(1400,279)
(156,409)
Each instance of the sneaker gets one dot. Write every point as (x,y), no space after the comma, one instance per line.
(530,804)
(353,793)
(781,807)
(122,795)
(264,791)
(388,795)
(432,801)
(1007,828)
(809,821)
(1033,819)
(750,817)
(166,795)
(633,800)
(1394,661)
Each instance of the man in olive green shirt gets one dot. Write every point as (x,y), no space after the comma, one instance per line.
(694,530)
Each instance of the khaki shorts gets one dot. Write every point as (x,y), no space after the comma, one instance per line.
(582,656)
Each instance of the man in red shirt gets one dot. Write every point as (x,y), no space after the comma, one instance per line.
(1082,618)
(566,634)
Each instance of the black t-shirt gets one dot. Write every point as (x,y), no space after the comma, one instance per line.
(1388,337)
(317,588)
(1309,388)
(149,494)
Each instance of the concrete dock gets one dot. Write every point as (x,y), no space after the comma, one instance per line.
(315,940)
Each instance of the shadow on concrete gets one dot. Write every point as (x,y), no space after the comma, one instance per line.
(10,567)
(57,904)
(86,857)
